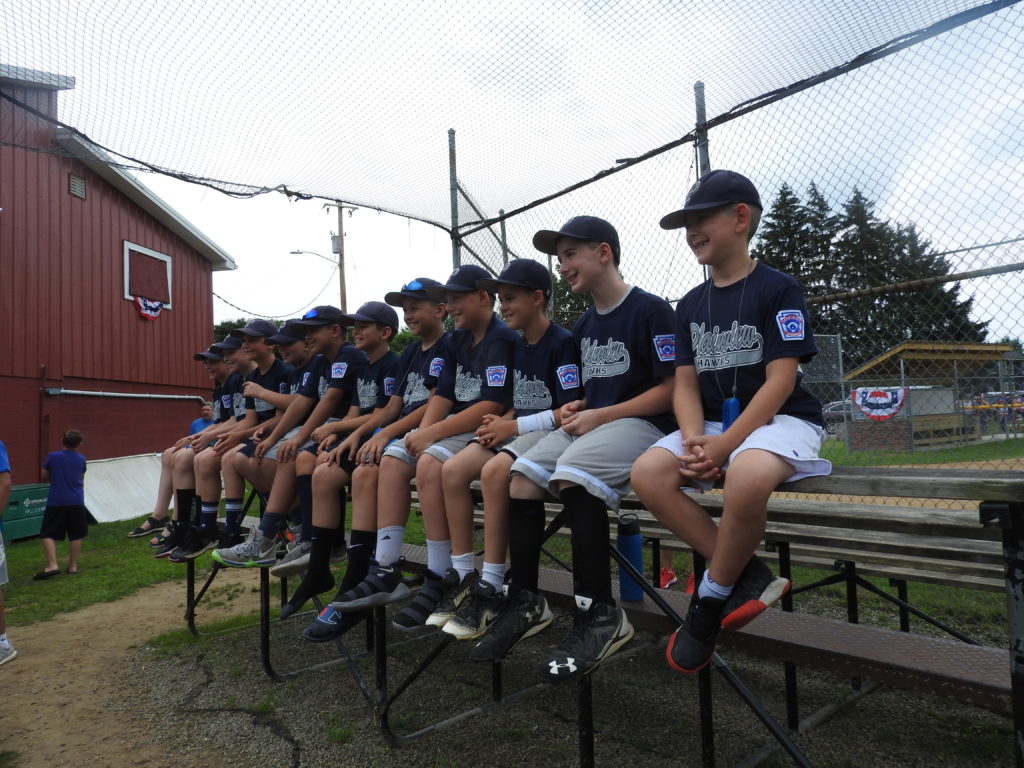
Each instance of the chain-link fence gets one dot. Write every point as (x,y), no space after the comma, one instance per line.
(892,193)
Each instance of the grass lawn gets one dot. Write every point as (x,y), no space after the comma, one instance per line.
(992,451)
(111,566)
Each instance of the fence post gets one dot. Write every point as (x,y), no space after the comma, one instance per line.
(453,184)
(703,159)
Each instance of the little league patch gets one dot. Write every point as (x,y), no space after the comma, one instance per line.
(791,324)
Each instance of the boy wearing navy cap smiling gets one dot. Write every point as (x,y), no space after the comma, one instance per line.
(475,381)
(545,376)
(741,409)
(626,344)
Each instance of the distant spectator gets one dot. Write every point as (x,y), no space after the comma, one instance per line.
(205,419)
(65,513)
(7,651)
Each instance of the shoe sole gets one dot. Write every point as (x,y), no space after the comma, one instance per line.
(290,568)
(439,620)
(751,609)
(676,667)
(376,600)
(247,564)
(193,555)
(10,657)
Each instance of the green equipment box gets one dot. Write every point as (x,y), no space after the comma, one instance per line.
(23,516)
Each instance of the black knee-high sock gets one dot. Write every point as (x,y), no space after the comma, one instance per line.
(318,576)
(339,533)
(304,491)
(591,566)
(183,498)
(359,553)
(525,538)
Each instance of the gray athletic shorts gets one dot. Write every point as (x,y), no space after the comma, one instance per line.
(272,453)
(520,444)
(600,460)
(442,450)
(3,562)
(791,439)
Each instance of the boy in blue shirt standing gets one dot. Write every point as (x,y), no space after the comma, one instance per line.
(741,337)
(65,513)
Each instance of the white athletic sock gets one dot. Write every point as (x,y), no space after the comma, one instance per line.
(439,556)
(4,642)
(389,544)
(708,588)
(463,564)
(494,574)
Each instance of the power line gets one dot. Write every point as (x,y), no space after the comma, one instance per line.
(285,314)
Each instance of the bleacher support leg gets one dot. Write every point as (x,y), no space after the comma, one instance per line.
(1010,517)
(902,594)
(788,667)
(585,722)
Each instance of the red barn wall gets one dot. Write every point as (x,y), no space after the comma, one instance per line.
(64,322)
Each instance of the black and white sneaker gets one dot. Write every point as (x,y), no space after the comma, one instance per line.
(520,617)
(197,542)
(477,612)
(691,646)
(424,602)
(599,630)
(331,624)
(173,540)
(456,593)
(383,584)
(755,590)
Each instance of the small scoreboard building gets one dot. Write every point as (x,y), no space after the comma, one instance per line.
(87,256)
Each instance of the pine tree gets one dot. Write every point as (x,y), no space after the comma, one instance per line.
(567,306)
(782,234)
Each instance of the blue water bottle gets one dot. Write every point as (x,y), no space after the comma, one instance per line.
(630,544)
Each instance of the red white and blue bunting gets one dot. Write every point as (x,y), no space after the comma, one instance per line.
(148,309)
(879,403)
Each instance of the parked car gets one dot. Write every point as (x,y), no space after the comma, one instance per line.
(837,412)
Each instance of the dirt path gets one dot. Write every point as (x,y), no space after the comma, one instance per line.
(62,700)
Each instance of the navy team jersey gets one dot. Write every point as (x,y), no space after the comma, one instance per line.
(626,351)
(377,382)
(545,375)
(727,340)
(419,370)
(231,398)
(221,412)
(300,377)
(348,365)
(314,385)
(475,373)
(276,380)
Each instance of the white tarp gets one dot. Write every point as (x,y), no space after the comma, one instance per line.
(122,488)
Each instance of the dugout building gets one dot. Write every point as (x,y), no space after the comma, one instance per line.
(87,254)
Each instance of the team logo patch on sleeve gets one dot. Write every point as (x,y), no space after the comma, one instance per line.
(305,378)
(791,324)
(665,346)
(496,375)
(338,370)
(568,376)
(436,366)
(225,401)
(389,386)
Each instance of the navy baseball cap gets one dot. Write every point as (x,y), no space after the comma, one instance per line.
(713,190)
(322,315)
(524,273)
(374,312)
(589,229)
(229,342)
(462,280)
(210,353)
(258,328)
(288,333)
(414,289)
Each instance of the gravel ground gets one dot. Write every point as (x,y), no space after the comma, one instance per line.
(212,699)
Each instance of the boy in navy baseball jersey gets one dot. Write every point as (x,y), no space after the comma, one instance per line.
(327,394)
(626,347)
(65,513)
(267,372)
(545,376)
(374,326)
(476,381)
(741,409)
(418,369)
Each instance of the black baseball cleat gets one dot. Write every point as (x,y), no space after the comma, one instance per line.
(456,593)
(599,630)
(520,617)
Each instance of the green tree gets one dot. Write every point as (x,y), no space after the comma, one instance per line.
(782,235)
(224,327)
(566,307)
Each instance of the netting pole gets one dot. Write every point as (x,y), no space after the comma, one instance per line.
(454,186)
(703,159)
(504,239)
